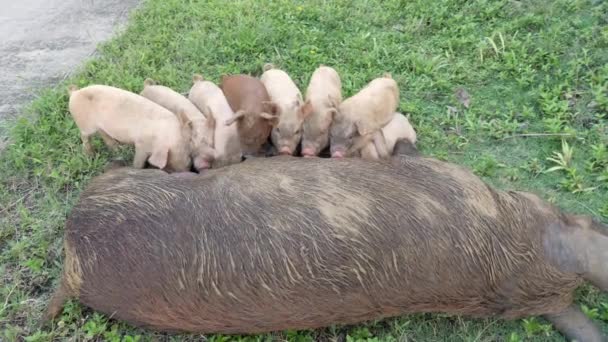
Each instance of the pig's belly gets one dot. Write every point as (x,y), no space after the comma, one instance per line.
(180,291)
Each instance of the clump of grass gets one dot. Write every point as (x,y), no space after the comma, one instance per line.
(535,73)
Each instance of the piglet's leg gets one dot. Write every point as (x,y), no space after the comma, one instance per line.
(139,160)
(108,140)
(575,325)
(86,144)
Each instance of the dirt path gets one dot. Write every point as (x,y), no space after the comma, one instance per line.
(42,41)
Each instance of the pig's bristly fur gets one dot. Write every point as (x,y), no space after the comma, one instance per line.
(292,243)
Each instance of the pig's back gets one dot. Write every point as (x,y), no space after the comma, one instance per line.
(117,111)
(264,246)
(324,82)
(280,86)
(171,100)
(398,128)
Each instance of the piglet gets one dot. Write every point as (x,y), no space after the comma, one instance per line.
(255,115)
(362,115)
(323,97)
(287,97)
(120,116)
(202,128)
(384,140)
(210,99)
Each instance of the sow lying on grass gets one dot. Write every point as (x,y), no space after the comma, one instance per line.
(262,246)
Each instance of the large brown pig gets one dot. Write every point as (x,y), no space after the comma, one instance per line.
(254,113)
(261,246)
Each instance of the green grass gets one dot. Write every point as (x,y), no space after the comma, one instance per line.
(529,66)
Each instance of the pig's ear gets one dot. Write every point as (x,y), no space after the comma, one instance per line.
(159,157)
(72,88)
(332,101)
(197,78)
(238,115)
(206,111)
(149,82)
(210,122)
(273,119)
(359,143)
(274,108)
(362,128)
(183,118)
(305,110)
(331,114)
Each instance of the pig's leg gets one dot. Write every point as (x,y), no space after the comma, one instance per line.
(108,140)
(575,325)
(597,254)
(369,152)
(576,249)
(86,144)
(140,158)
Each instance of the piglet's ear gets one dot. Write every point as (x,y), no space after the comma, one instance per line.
(238,115)
(332,114)
(362,128)
(183,118)
(306,110)
(272,119)
(210,122)
(272,108)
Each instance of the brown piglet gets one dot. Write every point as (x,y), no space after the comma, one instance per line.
(255,115)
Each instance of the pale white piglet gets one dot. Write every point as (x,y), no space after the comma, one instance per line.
(384,140)
(202,126)
(120,116)
(323,96)
(362,114)
(284,93)
(210,99)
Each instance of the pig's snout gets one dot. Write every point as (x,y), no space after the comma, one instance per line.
(337,154)
(202,164)
(285,151)
(308,152)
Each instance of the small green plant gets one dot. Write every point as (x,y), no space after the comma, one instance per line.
(604,312)
(487,165)
(593,313)
(599,157)
(95,326)
(563,159)
(514,337)
(573,182)
(533,327)
(534,166)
